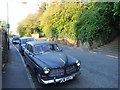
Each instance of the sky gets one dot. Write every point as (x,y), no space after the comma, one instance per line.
(17,11)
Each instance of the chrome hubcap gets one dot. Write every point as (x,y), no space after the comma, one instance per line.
(38,77)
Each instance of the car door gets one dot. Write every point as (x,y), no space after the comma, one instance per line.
(29,56)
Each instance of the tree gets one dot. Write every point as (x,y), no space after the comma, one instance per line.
(95,23)
(60,18)
(3,24)
(21,30)
(116,15)
(31,24)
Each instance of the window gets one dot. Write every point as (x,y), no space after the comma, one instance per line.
(37,49)
(23,41)
(29,48)
(54,47)
(45,48)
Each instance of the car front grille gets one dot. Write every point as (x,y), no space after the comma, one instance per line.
(71,69)
(56,72)
(63,71)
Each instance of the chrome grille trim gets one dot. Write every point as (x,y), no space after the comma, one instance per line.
(71,69)
(62,71)
(56,72)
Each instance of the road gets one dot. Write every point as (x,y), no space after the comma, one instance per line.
(98,70)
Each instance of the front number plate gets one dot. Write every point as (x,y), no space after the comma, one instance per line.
(66,79)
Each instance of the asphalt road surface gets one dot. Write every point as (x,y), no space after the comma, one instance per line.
(98,70)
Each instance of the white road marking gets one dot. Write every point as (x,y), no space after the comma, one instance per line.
(111,56)
(28,73)
(105,55)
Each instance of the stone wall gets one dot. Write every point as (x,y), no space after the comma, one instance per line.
(4,46)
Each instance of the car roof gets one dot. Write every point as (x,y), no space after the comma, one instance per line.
(16,38)
(26,37)
(41,42)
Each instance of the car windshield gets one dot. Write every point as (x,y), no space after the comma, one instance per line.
(23,41)
(46,48)
(16,38)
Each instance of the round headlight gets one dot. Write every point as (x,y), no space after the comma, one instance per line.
(78,63)
(46,70)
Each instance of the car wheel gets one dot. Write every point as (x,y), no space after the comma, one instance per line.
(27,65)
(22,53)
(38,77)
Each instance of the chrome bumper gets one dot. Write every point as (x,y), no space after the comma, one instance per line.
(60,79)
(15,41)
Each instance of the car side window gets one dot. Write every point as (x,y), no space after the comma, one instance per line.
(29,48)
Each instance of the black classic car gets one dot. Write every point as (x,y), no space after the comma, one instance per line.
(22,43)
(50,63)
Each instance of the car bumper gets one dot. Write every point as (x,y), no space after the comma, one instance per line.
(16,42)
(60,80)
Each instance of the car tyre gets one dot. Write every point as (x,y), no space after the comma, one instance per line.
(27,65)
(38,77)
(21,53)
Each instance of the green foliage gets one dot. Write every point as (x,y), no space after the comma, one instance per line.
(21,30)
(116,9)
(86,22)
(94,24)
(3,24)
(116,15)
(59,19)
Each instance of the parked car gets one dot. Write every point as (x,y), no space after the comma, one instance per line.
(49,63)
(16,40)
(22,43)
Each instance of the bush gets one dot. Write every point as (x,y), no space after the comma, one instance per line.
(94,24)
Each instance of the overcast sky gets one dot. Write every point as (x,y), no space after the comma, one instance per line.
(17,10)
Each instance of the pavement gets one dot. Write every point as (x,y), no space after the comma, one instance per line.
(15,74)
(111,48)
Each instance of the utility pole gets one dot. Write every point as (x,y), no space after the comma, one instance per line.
(8,25)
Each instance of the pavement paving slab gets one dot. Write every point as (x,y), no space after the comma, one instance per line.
(14,74)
